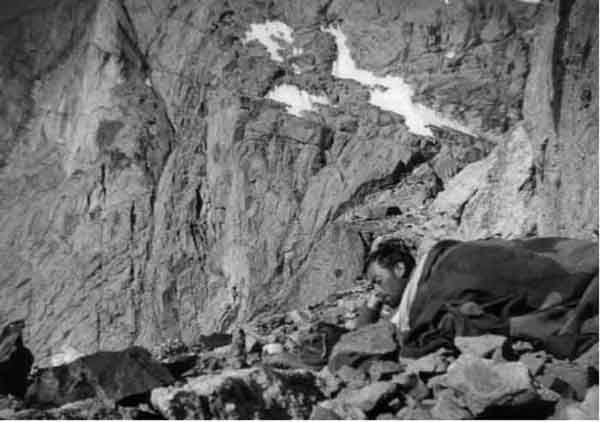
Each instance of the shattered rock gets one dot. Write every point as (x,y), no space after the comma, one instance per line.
(535,361)
(585,410)
(328,382)
(448,405)
(383,370)
(338,410)
(589,359)
(479,346)
(256,392)
(374,340)
(352,377)
(478,384)
(369,397)
(108,376)
(433,363)
(566,378)
(323,413)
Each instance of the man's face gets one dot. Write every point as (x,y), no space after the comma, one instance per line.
(390,282)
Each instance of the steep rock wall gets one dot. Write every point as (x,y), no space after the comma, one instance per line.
(149,190)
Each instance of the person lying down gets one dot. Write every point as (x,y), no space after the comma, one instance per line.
(543,289)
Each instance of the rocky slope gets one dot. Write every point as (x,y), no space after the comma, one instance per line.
(152,188)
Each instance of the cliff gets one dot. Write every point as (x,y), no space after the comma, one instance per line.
(169,169)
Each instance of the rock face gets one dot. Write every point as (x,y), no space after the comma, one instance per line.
(150,190)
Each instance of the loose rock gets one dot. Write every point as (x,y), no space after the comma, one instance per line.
(108,376)
(241,394)
(480,346)
(374,340)
(478,384)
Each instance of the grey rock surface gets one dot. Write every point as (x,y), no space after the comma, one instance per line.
(149,190)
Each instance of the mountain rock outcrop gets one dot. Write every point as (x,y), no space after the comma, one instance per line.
(151,187)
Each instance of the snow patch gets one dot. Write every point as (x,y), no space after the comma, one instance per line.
(273,35)
(297,100)
(388,92)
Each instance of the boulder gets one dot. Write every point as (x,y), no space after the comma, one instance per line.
(383,369)
(352,377)
(374,340)
(585,410)
(257,392)
(370,397)
(449,406)
(108,376)
(480,346)
(329,383)
(478,384)
(433,363)
(534,361)
(566,378)
(589,359)
(335,409)
(323,413)
(15,360)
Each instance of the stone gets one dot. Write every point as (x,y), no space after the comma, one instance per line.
(106,376)
(449,406)
(478,384)
(342,410)
(374,340)
(566,378)
(180,364)
(352,377)
(414,412)
(589,359)
(534,361)
(411,385)
(585,410)
(15,360)
(479,346)
(272,349)
(371,396)
(322,413)
(434,363)
(257,392)
(139,175)
(383,370)
(329,383)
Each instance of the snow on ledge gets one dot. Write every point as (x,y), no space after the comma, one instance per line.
(388,92)
(297,101)
(272,35)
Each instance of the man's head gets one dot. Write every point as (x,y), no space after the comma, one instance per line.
(389,267)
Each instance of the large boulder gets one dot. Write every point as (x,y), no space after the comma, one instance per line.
(479,385)
(257,392)
(374,340)
(108,376)
(15,360)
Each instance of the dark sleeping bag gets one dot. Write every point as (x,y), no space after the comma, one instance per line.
(541,289)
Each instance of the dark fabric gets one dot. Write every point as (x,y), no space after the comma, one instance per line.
(509,281)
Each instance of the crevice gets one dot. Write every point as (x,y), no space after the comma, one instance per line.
(400,172)
(558,64)
(132,219)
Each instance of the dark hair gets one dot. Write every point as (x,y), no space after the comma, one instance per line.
(389,252)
